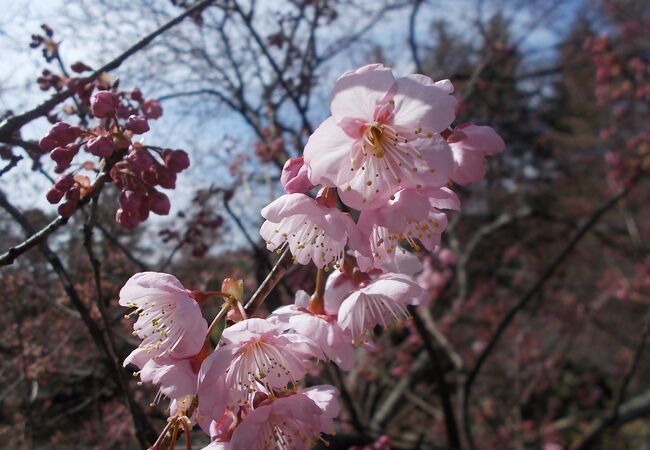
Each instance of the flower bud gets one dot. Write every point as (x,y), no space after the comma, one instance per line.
(150,177)
(64,133)
(137,124)
(130,201)
(101,146)
(67,208)
(176,160)
(136,94)
(295,177)
(103,104)
(54,195)
(152,109)
(159,203)
(64,183)
(140,159)
(80,67)
(73,194)
(124,111)
(165,177)
(233,287)
(47,143)
(126,220)
(143,211)
(62,156)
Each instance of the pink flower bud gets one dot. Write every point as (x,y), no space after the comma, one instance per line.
(143,211)
(165,178)
(64,133)
(176,160)
(130,201)
(62,156)
(137,124)
(126,220)
(295,177)
(54,196)
(103,104)
(47,143)
(124,111)
(152,109)
(159,203)
(64,183)
(79,67)
(101,146)
(140,159)
(136,94)
(73,194)
(150,177)
(67,208)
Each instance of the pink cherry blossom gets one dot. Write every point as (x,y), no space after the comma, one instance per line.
(382,301)
(313,231)
(257,356)
(295,177)
(382,136)
(323,329)
(169,320)
(470,144)
(174,377)
(294,422)
(411,216)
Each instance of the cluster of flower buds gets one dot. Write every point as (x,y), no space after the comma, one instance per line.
(136,169)
(388,152)
(270,146)
(46,42)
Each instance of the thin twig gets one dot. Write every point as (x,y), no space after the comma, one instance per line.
(453,435)
(272,279)
(413,45)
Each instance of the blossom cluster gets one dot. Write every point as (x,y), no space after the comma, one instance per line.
(122,117)
(390,153)
(387,152)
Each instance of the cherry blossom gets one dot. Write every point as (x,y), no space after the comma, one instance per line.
(382,301)
(257,356)
(382,136)
(313,230)
(412,216)
(470,144)
(323,329)
(169,320)
(295,177)
(175,377)
(292,422)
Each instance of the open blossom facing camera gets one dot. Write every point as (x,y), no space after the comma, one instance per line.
(169,320)
(294,422)
(256,356)
(313,229)
(412,216)
(382,136)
